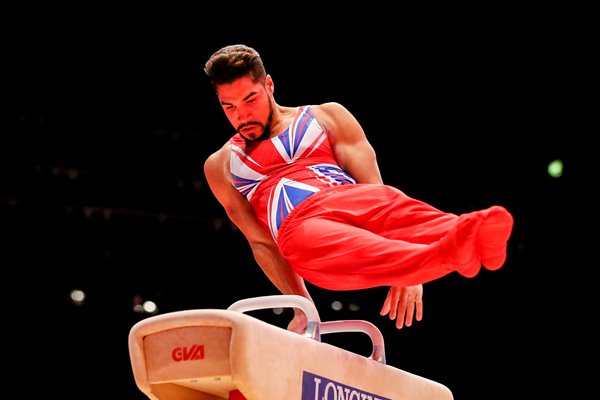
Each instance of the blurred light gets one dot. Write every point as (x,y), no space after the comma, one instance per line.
(138,308)
(88,212)
(150,307)
(555,168)
(336,305)
(278,310)
(353,307)
(137,304)
(73,174)
(144,307)
(217,224)
(77,297)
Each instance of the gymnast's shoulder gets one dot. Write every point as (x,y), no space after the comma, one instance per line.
(217,163)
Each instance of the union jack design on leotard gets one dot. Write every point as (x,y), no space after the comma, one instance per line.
(276,175)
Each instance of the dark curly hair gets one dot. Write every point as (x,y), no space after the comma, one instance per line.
(232,62)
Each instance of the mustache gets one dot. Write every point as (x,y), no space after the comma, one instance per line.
(242,126)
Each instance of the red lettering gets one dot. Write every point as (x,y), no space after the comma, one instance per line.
(198,353)
(187,353)
(195,352)
(176,354)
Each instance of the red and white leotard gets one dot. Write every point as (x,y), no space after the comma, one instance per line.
(276,175)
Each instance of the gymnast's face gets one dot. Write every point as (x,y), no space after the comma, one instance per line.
(248,106)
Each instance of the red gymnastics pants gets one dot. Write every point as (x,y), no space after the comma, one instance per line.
(361,236)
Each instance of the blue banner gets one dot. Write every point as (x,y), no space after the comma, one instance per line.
(315,387)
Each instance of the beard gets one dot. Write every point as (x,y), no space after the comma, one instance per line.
(266,128)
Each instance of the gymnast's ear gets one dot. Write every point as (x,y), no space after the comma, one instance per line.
(269,84)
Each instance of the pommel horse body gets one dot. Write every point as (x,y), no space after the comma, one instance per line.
(214,354)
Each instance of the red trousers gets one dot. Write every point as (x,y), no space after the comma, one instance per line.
(361,236)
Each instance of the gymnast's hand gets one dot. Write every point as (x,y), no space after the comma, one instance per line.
(404,303)
(299,323)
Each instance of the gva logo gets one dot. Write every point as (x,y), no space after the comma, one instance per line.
(196,352)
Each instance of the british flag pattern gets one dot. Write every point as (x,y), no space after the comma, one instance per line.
(278,174)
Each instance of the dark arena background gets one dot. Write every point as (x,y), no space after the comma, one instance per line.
(104,209)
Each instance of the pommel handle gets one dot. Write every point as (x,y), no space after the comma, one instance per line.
(285,300)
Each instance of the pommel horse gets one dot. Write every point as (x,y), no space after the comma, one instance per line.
(215,354)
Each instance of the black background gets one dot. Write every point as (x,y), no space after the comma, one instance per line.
(107,119)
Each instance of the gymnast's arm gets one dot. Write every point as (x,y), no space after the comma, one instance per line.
(264,248)
(356,156)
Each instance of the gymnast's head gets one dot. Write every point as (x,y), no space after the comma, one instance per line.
(244,89)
